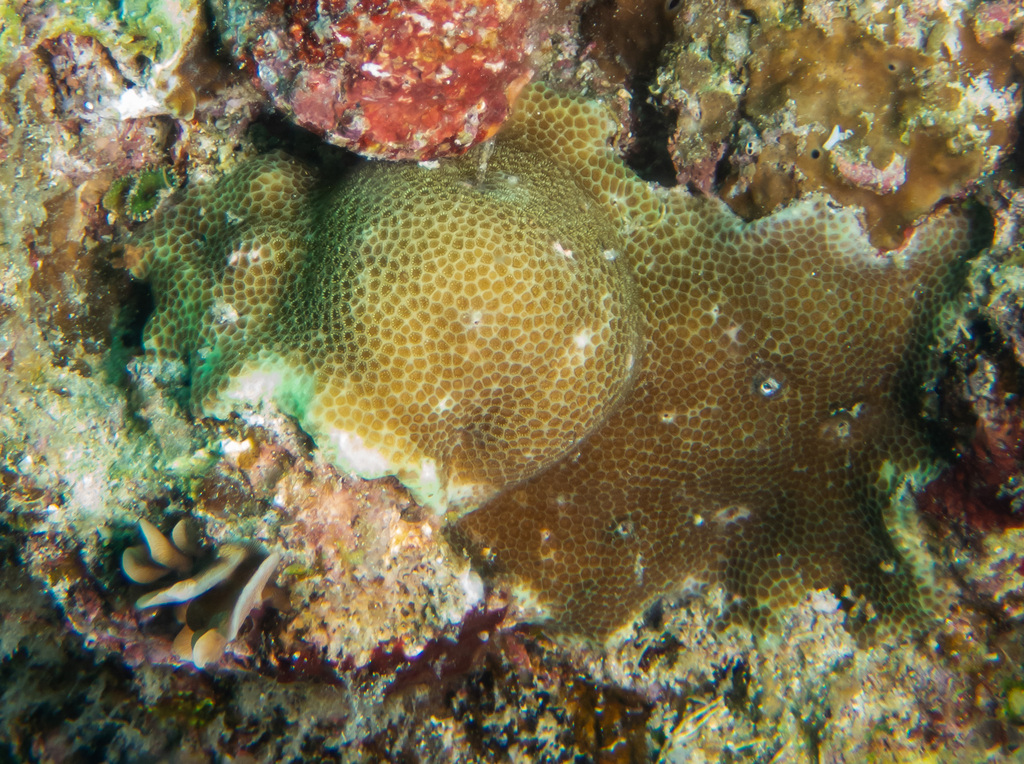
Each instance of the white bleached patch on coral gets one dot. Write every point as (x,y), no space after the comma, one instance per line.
(428,473)
(583,346)
(222,312)
(472,587)
(465,497)
(423,478)
(271,377)
(560,249)
(256,385)
(692,587)
(357,456)
(823,601)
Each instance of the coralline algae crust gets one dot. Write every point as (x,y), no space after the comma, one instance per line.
(396,80)
(712,402)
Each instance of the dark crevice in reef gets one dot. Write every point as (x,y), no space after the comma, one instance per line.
(653,127)
(273,132)
(212,39)
(126,343)
(136,306)
(626,40)
(955,419)
(951,423)
(135,311)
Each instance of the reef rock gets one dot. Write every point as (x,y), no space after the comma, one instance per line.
(401,80)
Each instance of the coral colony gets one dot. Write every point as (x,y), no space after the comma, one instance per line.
(591,380)
(729,393)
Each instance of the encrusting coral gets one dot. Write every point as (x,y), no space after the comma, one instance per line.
(619,388)
(478,372)
(215,603)
(892,128)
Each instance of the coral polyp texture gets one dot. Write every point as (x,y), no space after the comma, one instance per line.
(457,329)
(891,121)
(401,79)
(615,389)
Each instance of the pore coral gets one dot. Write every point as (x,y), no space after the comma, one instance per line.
(400,79)
(215,602)
(635,388)
(515,338)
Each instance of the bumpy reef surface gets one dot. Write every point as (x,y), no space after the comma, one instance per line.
(665,455)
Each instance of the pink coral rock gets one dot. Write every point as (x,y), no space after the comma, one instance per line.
(404,79)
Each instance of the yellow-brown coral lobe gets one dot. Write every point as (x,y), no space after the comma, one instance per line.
(462,326)
(658,393)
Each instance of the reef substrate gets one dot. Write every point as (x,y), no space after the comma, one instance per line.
(393,646)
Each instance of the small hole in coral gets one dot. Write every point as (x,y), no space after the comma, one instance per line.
(815,153)
(892,67)
(767,386)
(654,617)
(673,6)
